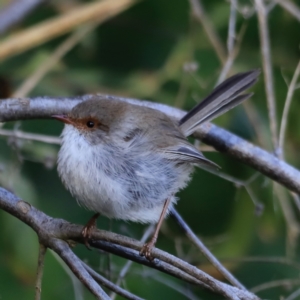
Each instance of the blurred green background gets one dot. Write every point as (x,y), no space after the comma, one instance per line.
(157,50)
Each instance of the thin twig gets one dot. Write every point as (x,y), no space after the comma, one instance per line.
(15,11)
(275,284)
(286,109)
(293,228)
(241,183)
(257,123)
(64,251)
(204,250)
(51,61)
(40,271)
(296,199)
(184,291)
(291,7)
(294,295)
(127,266)
(231,56)
(31,136)
(128,252)
(47,30)
(267,259)
(108,284)
(200,15)
(231,27)
(77,286)
(268,74)
(231,37)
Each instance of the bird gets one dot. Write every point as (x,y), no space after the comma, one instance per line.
(127,161)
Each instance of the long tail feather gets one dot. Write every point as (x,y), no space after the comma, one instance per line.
(223,98)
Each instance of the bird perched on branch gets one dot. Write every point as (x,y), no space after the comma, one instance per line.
(128,162)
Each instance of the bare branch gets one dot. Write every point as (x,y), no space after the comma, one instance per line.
(44,107)
(52,28)
(15,11)
(268,74)
(30,136)
(64,251)
(40,271)
(291,7)
(294,295)
(231,27)
(127,266)
(108,284)
(267,259)
(185,291)
(231,56)
(293,228)
(52,232)
(276,283)
(200,15)
(286,109)
(127,252)
(204,250)
(59,52)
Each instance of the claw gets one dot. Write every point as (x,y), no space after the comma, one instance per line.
(147,250)
(88,229)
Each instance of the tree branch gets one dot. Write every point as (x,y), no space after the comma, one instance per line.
(204,250)
(15,12)
(73,262)
(13,109)
(262,14)
(115,288)
(54,233)
(51,28)
(40,271)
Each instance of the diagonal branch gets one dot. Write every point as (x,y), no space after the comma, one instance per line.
(291,7)
(64,251)
(49,29)
(54,233)
(287,104)
(15,11)
(262,14)
(44,107)
(114,287)
(198,243)
(40,271)
(200,15)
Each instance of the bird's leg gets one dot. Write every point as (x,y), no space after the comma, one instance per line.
(147,248)
(89,228)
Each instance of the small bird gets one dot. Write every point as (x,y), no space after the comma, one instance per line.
(127,162)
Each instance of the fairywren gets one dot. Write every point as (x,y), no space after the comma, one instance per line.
(128,162)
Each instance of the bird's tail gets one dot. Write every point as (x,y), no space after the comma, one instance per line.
(223,98)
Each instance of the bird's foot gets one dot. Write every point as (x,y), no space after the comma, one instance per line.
(147,249)
(88,229)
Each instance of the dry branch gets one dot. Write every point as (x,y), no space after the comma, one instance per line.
(13,109)
(57,233)
(47,30)
(15,11)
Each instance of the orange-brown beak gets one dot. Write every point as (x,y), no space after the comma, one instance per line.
(62,118)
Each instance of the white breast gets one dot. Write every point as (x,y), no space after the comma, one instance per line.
(114,184)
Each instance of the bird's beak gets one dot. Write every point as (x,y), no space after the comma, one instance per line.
(62,118)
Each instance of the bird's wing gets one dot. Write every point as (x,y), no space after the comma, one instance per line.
(188,153)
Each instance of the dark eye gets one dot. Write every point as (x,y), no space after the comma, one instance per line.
(90,124)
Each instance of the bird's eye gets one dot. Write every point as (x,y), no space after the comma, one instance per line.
(90,124)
